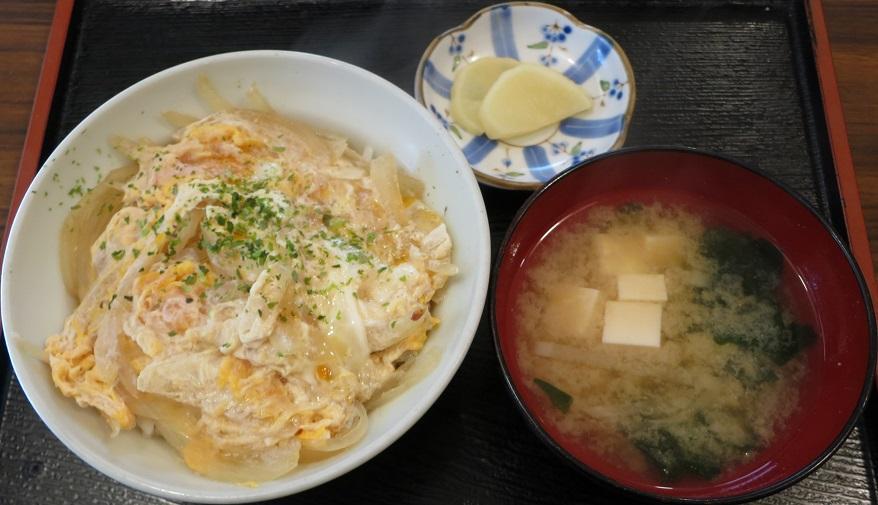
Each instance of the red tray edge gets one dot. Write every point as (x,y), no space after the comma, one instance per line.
(835,123)
(39,117)
(841,151)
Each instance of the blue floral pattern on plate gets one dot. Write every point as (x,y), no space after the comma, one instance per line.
(549,36)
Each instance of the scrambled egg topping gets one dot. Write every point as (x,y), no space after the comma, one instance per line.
(254,290)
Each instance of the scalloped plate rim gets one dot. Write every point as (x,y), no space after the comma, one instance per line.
(499,182)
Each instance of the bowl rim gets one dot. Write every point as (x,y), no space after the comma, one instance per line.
(793,478)
(498,182)
(456,350)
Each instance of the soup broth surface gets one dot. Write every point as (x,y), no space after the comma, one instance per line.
(725,375)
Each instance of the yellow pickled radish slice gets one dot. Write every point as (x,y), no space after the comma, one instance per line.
(469,87)
(527,98)
(534,137)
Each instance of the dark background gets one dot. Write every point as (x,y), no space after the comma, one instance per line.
(732,77)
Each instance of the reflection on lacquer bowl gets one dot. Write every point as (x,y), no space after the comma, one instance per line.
(682,327)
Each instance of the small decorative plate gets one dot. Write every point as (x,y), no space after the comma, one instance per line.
(538,33)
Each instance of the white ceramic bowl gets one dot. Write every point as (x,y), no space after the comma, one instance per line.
(323,91)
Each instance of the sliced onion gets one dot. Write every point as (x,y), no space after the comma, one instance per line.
(83,226)
(347,173)
(125,146)
(257,100)
(425,220)
(178,425)
(409,185)
(106,345)
(408,375)
(561,352)
(175,422)
(245,468)
(357,430)
(172,434)
(384,176)
(129,352)
(146,425)
(178,420)
(178,119)
(210,95)
(30,349)
(445,269)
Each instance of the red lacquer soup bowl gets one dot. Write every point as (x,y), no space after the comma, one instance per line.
(835,301)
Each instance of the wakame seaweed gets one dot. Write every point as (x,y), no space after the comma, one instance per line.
(560,399)
(673,458)
(757,261)
(741,296)
(691,446)
(630,208)
(779,342)
(750,375)
(756,265)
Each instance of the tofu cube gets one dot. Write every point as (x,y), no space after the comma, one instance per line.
(571,311)
(633,323)
(642,288)
(664,250)
(620,254)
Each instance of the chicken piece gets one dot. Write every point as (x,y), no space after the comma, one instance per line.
(394,305)
(121,233)
(258,318)
(187,378)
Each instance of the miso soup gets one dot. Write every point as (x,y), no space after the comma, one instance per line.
(662,341)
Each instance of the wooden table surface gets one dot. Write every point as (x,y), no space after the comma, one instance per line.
(852,24)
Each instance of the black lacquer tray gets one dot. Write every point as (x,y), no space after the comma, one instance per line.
(736,77)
